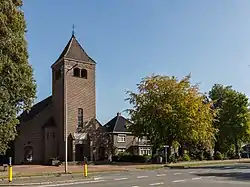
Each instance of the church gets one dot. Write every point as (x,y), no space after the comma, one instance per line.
(41,132)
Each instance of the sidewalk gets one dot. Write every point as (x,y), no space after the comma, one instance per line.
(34,170)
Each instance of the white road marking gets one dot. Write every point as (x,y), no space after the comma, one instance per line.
(135,186)
(192,172)
(209,177)
(72,183)
(118,179)
(196,178)
(177,173)
(179,181)
(140,177)
(98,178)
(227,167)
(160,175)
(156,184)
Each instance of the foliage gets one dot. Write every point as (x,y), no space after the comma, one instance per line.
(186,157)
(17,86)
(218,156)
(207,155)
(167,109)
(233,117)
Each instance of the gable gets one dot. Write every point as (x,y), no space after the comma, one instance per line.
(117,124)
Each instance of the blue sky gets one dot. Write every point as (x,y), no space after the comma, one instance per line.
(131,39)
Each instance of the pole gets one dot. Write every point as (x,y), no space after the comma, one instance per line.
(85,168)
(66,124)
(10,170)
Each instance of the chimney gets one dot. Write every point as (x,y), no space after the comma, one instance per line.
(118,114)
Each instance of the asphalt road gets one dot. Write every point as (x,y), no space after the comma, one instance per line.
(217,176)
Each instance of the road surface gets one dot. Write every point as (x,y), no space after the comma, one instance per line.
(217,176)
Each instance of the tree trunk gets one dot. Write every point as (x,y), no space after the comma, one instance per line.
(154,149)
(236,147)
(181,150)
(169,143)
(217,146)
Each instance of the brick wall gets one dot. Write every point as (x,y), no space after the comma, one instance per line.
(31,133)
(80,94)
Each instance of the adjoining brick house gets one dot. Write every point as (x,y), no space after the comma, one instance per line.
(41,132)
(123,140)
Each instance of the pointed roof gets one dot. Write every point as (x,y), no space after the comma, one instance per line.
(74,50)
(117,124)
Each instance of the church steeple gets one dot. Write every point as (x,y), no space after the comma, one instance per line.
(74,51)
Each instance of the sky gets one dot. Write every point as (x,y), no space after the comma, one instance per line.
(132,39)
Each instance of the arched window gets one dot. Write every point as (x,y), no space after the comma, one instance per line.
(76,72)
(84,73)
(80,118)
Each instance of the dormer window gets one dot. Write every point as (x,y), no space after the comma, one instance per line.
(76,72)
(84,73)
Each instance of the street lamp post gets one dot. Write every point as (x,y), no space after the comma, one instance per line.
(66,116)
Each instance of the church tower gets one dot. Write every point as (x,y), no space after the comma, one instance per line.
(73,93)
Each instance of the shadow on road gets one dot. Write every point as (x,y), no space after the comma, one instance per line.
(224,167)
(240,176)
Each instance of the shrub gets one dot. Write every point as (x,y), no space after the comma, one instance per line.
(208,155)
(218,156)
(172,158)
(132,158)
(201,156)
(186,157)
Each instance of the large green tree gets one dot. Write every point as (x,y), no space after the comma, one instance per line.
(17,85)
(233,117)
(169,110)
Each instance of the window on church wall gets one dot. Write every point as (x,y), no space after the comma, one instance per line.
(80,118)
(84,73)
(76,72)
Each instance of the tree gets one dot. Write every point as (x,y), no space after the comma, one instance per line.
(167,110)
(233,117)
(17,86)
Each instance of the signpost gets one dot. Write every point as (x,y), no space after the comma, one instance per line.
(166,153)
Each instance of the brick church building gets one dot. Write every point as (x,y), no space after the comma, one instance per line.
(41,132)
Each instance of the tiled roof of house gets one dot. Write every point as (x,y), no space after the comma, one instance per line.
(117,124)
(74,50)
(36,109)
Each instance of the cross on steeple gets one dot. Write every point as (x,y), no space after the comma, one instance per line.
(73,30)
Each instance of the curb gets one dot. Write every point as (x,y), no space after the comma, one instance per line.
(46,183)
(178,167)
(202,165)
